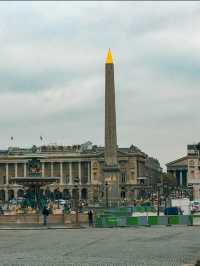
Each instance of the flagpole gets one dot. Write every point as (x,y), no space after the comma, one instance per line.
(11,141)
(41,139)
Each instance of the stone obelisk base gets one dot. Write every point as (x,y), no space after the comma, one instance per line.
(111,181)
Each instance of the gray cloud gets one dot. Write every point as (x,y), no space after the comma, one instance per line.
(52,73)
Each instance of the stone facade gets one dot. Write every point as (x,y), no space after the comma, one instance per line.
(187,169)
(69,163)
(110,117)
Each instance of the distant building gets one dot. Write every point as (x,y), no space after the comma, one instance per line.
(138,172)
(187,169)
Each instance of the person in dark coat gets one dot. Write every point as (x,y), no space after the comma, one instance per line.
(45,213)
(90,218)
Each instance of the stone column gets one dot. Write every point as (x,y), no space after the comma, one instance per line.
(6,195)
(89,175)
(70,174)
(7,174)
(42,169)
(16,170)
(25,170)
(70,192)
(80,193)
(181,177)
(90,194)
(79,172)
(15,193)
(51,169)
(61,173)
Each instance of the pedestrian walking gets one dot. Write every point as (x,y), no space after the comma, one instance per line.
(45,213)
(90,218)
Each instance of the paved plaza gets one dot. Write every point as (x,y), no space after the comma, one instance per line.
(175,245)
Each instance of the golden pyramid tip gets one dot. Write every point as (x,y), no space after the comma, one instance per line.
(109,57)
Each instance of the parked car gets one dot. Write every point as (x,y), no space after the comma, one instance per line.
(173,211)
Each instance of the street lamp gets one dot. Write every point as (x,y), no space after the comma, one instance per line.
(106,186)
(158,197)
(76,181)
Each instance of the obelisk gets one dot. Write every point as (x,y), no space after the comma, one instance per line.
(111,168)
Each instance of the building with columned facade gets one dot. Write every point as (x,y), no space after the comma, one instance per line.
(138,172)
(187,169)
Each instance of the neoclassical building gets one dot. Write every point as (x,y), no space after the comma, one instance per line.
(187,169)
(71,163)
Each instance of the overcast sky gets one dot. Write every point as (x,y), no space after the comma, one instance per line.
(52,57)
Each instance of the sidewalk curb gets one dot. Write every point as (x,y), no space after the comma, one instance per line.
(40,228)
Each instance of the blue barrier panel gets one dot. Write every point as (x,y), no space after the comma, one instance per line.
(184,219)
(121,221)
(142,220)
(162,220)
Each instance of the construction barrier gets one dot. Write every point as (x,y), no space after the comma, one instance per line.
(128,221)
(196,219)
(125,211)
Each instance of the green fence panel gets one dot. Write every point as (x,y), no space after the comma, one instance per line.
(110,221)
(173,219)
(132,220)
(99,222)
(190,219)
(153,220)
(139,209)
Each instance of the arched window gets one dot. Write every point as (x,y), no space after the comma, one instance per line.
(66,194)
(84,193)
(75,193)
(2,195)
(123,194)
(10,194)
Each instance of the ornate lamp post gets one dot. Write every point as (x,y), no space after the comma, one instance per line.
(106,187)
(76,181)
(158,197)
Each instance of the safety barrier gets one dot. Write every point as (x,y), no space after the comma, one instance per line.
(196,220)
(124,221)
(127,210)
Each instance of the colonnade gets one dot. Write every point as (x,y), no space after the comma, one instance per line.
(8,191)
(52,171)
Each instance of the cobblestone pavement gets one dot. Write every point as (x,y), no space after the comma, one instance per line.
(155,246)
